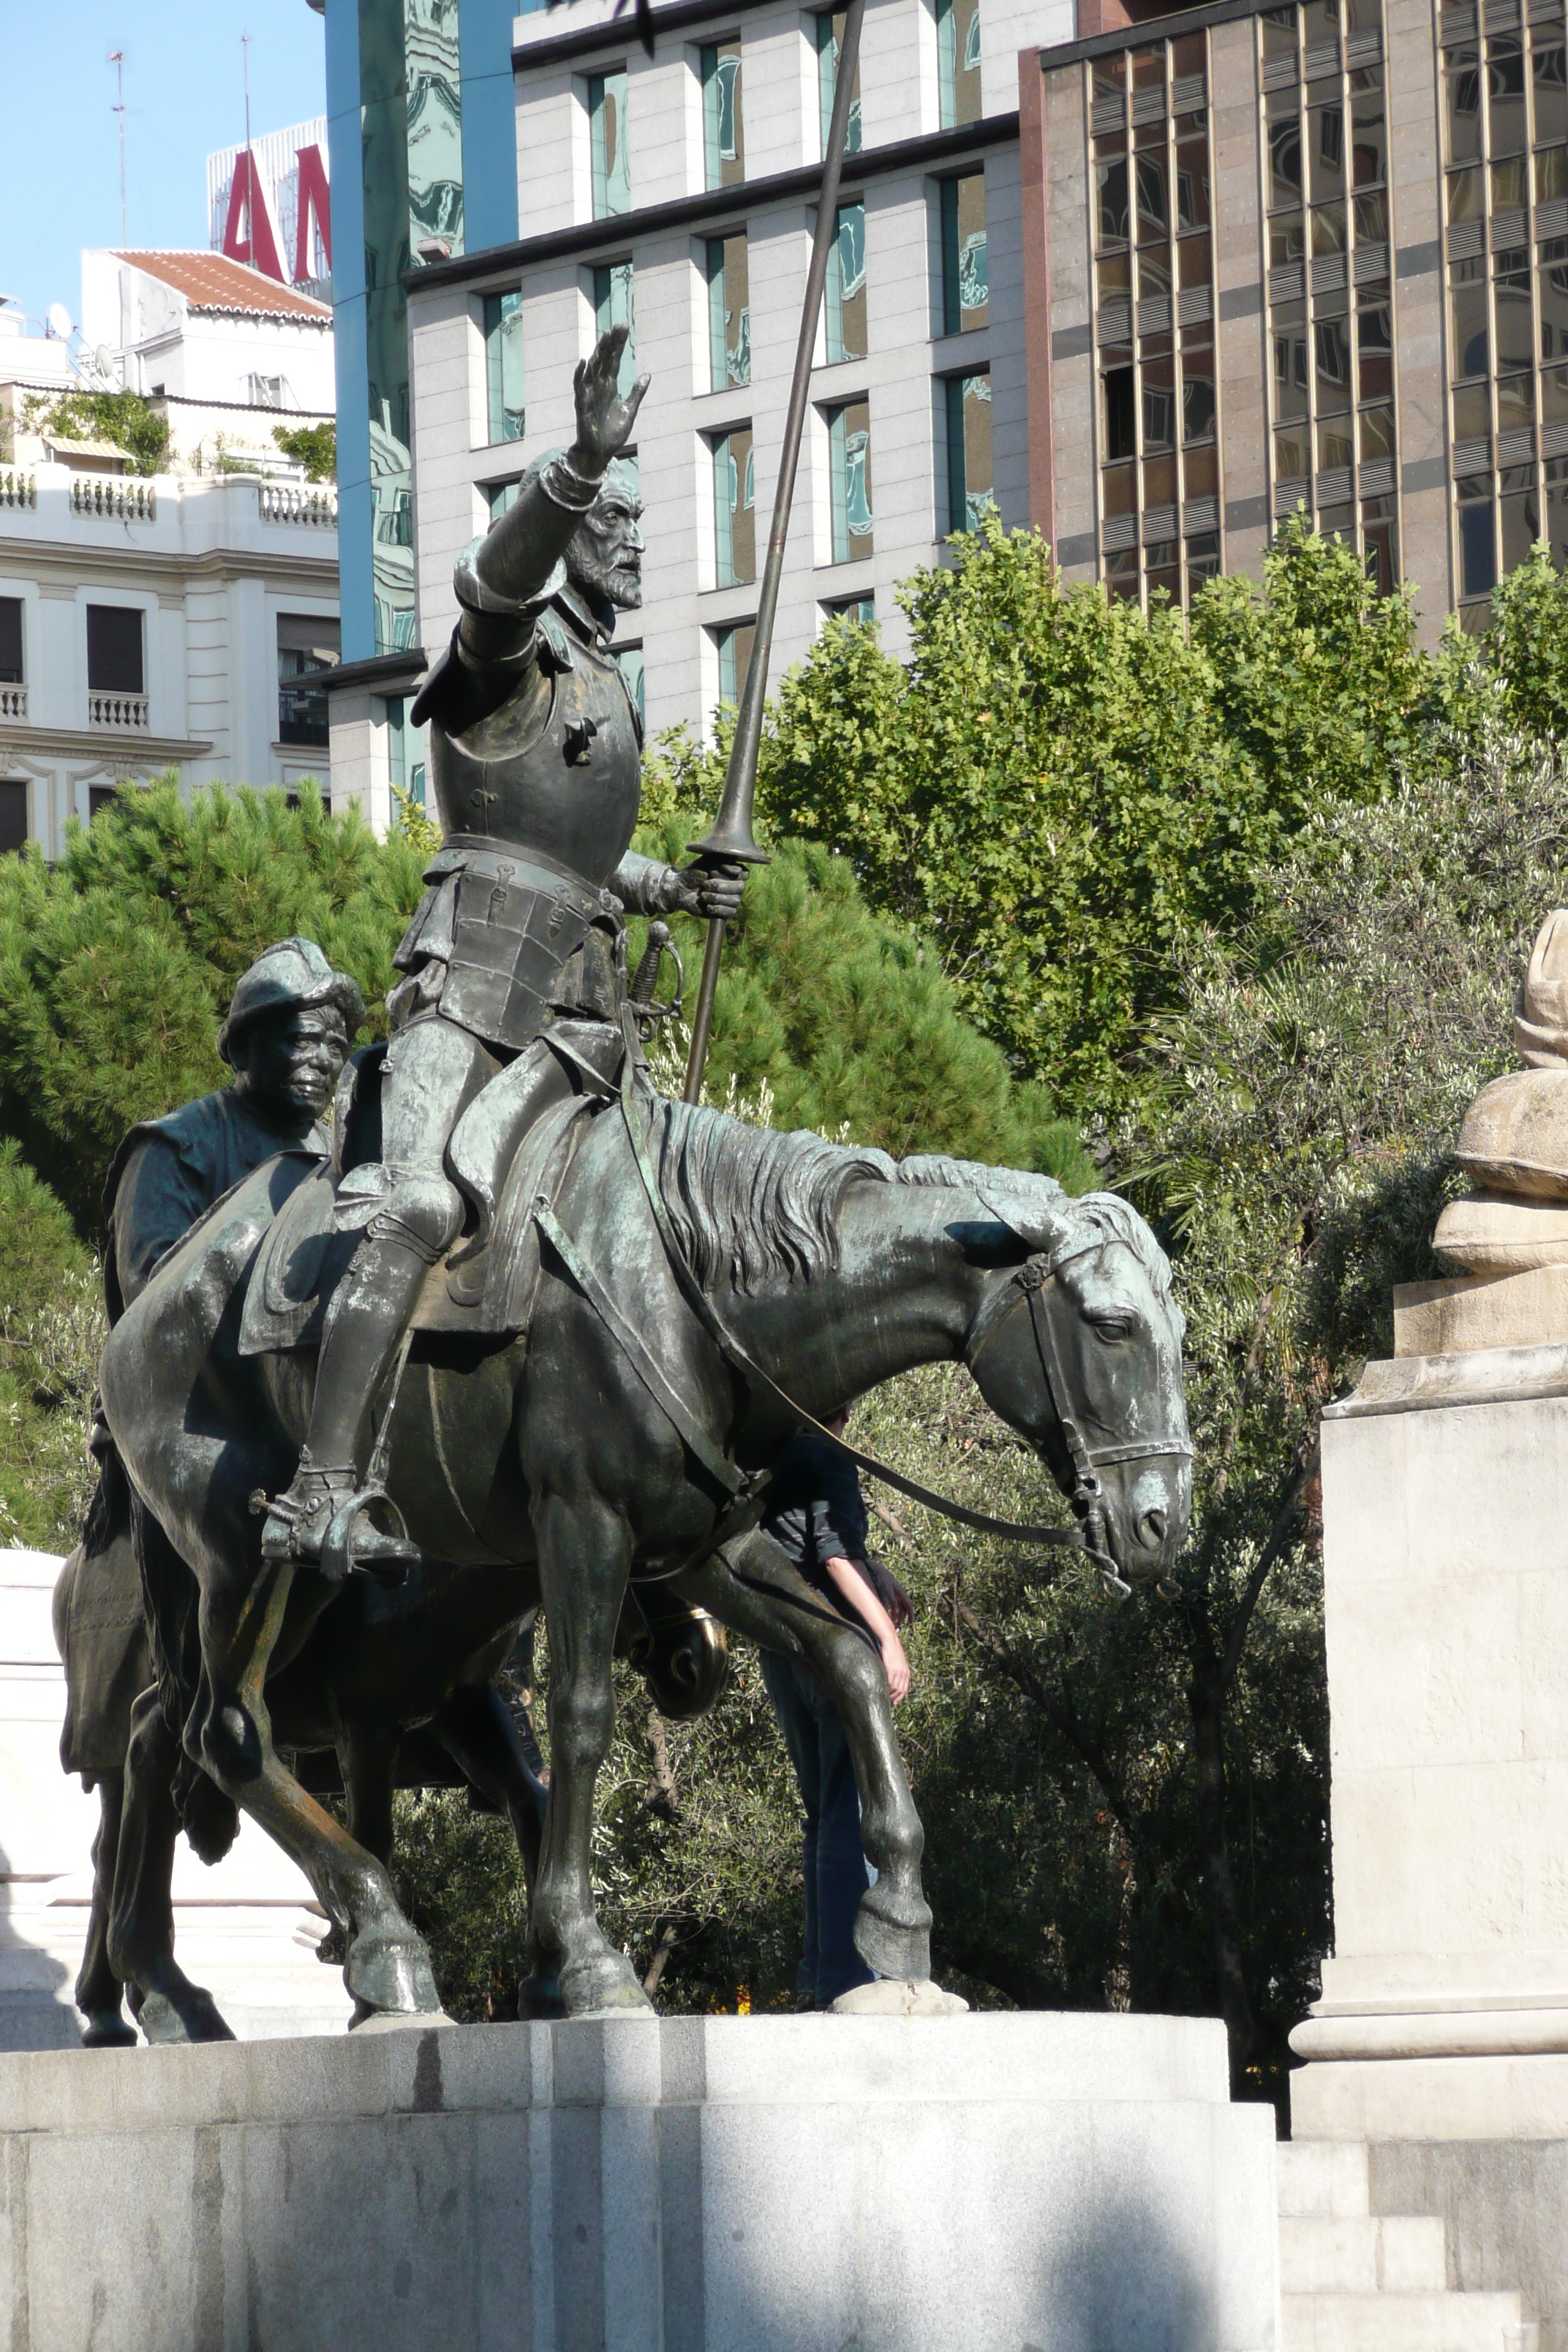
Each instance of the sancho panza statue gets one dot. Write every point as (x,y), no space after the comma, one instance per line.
(535,758)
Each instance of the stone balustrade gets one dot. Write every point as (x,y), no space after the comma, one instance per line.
(313,504)
(13,702)
(126,713)
(124,501)
(17,489)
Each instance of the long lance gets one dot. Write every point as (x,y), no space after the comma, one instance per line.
(731,841)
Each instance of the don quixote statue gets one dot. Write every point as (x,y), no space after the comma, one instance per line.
(535,1334)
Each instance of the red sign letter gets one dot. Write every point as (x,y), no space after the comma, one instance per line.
(258,244)
(315,196)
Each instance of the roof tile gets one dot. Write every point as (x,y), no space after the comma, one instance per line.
(211,281)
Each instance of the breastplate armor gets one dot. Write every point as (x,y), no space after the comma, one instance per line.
(538,803)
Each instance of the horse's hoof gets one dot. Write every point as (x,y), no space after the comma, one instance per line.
(606,1986)
(386,1972)
(539,1997)
(395,2021)
(107,2029)
(894,1939)
(187,2014)
(890,1998)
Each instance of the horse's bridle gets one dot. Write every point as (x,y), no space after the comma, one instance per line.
(1031,1283)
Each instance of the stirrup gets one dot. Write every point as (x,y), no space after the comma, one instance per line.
(336,1533)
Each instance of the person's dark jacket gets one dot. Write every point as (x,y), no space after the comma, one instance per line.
(817,1511)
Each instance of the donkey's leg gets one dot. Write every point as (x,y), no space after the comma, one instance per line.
(584,1558)
(367,1759)
(97,1986)
(230,1735)
(167,2006)
(476,1728)
(893,1928)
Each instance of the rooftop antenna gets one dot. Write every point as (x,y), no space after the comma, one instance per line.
(245,49)
(117,60)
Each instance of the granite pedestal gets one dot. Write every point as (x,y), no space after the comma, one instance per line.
(1023,2183)
(1441,2040)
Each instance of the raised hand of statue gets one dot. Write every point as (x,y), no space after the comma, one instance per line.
(605,420)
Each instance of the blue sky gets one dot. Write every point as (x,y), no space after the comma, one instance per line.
(185,95)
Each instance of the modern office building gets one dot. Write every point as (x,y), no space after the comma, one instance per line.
(421,131)
(1147,280)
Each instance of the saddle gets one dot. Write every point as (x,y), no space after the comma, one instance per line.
(509,1154)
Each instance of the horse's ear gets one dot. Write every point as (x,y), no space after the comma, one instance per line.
(1035,1208)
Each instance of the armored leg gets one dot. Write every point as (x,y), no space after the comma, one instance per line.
(411,1213)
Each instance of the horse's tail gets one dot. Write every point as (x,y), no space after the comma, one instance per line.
(170,1604)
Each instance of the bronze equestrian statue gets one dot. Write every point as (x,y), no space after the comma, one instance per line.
(534,1320)
(536,762)
(289,1023)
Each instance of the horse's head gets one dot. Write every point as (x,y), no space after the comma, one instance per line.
(1079,1349)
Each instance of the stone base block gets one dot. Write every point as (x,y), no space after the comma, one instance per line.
(1515,2097)
(1476,1311)
(965,2184)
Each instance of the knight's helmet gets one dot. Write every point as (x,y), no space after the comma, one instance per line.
(292,975)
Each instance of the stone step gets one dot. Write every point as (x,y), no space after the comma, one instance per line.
(1319,2255)
(1322,2179)
(1404,2323)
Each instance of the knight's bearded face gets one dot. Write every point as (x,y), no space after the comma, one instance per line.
(605,558)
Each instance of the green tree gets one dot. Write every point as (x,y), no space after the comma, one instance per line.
(314,447)
(1057,786)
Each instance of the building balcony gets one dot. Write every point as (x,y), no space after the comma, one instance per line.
(315,505)
(19,488)
(118,714)
(13,702)
(132,499)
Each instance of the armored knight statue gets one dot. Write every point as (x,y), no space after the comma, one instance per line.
(535,758)
(287,1032)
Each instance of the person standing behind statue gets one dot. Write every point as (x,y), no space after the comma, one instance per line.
(289,1027)
(817,1515)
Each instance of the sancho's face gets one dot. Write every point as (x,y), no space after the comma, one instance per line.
(606,555)
(287,1064)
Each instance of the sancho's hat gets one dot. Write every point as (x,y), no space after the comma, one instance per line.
(288,977)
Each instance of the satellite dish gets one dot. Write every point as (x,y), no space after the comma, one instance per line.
(103,361)
(59,322)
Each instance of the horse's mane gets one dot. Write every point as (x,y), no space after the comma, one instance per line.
(748,1204)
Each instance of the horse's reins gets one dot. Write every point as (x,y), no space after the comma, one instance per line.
(1030,1283)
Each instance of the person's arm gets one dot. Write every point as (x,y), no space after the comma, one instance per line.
(522,550)
(849,1583)
(650,889)
(158,1200)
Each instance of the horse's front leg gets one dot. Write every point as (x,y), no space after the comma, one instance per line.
(99,1985)
(892,1927)
(584,1559)
(229,1733)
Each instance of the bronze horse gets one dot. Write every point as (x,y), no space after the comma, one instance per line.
(560,1453)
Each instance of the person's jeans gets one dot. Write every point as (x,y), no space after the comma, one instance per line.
(832,1862)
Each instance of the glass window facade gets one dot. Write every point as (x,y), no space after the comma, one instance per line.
(306,649)
(729,313)
(733,646)
(503,365)
(404,749)
(735,506)
(608,159)
(829,29)
(1330,295)
(498,497)
(723,118)
(965,299)
(852,608)
(1505,119)
(970,486)
(958,61)
(614,307)
(846,303)
(11,671)
(1157,486)
(849,478)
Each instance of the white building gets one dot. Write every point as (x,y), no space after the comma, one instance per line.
(677,190)
(227,353)
(150,623)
